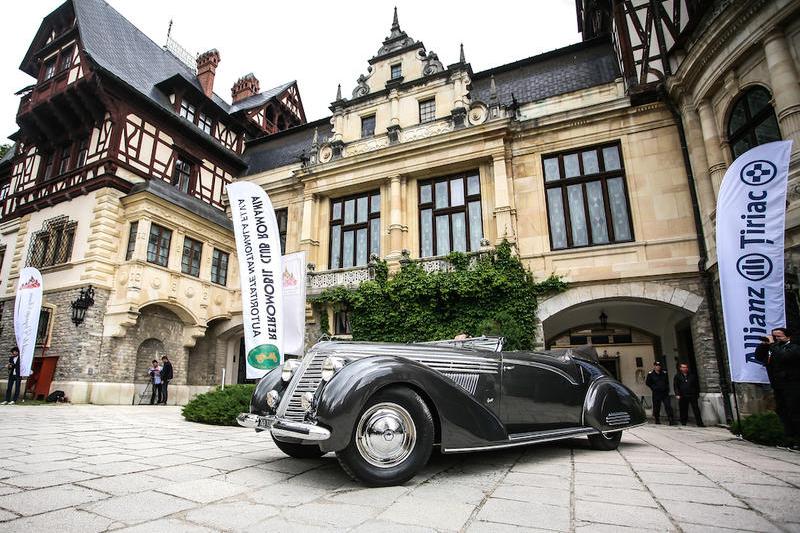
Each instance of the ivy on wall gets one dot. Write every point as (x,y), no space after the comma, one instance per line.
(491,294)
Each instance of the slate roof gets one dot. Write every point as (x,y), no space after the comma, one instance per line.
(164,190)
(560,71)
(285,147)
(260,98)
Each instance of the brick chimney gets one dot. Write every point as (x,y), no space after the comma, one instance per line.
(245,87)
(206,69)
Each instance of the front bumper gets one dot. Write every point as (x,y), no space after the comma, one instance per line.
(284,428)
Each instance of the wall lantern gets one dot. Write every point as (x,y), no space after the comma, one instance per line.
(79,306)
(603,320)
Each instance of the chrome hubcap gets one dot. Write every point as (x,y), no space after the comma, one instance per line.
(385,435)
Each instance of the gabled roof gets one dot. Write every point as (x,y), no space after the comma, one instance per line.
(260,98)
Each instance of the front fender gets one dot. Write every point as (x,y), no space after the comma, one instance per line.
(270,380)
(463,421)
(610,405)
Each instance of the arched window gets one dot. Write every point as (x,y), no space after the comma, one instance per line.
(752,121)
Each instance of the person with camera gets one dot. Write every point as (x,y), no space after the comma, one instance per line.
(14,377)
(658,382)
(166,377)
(781,357)
(155,379)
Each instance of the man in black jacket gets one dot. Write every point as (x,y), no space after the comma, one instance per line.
(687,391)
(166,376)
(781,356)
(14,377)
(658,382)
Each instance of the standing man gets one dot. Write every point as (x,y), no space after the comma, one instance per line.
(687,391)
(155,379)
(658,382)
(781,356)
(166,376)
(14,377)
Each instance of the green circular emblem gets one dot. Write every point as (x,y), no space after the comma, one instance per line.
(264,356)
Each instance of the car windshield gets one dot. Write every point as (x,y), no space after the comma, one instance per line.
(488,344)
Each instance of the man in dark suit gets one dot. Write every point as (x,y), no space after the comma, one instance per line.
(166,376)
(687,391)
(781,356)
(14,377)
(658,382)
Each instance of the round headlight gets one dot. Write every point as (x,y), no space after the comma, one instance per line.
(330,366)
(288,369)
(273,398)
(307,400)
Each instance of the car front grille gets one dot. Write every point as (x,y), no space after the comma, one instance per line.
(308,382)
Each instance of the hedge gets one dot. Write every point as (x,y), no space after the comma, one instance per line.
(762,428)
(219,406)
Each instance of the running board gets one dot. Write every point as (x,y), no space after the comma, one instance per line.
(521,439)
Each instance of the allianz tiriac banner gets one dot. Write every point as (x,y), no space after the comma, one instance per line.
(258,249)
(751,212)
(27,307)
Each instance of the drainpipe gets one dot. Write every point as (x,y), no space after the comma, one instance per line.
(724,380)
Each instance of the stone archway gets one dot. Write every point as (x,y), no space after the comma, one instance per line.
(148,350)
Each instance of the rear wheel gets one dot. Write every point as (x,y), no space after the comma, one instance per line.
(298,450)
(605,441)
(392,440)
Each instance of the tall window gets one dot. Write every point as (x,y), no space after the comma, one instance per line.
(752,121)
(187,111)
(355,229)
(83,152)
(192,252)
(427,110)
(49,69)
(450,214)
(43,329)
(63,164)
(52,245)
(66,58)
(158,245)
(131,241)
(587,199)
(397,71)
(219,267)
(368,126)
(282,215)
(204,122)
(47,165)
(182,174)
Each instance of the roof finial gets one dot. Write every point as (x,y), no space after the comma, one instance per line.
(461,55)
(395,23)
(315,141)
(169,28)
(339,92)
(492,89)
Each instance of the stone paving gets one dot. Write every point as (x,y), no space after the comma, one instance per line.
(99,468)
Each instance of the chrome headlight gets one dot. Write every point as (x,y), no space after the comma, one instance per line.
(331,366)
(273,397)
(307,401)
(288,369)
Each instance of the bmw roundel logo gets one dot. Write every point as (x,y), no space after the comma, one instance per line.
(754,267)
(759,172)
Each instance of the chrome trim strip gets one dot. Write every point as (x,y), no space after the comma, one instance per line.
(298,375)
(250,420)
(543,367)
(296,430)
(531,440)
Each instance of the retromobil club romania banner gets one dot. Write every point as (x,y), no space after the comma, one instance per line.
(27,307)
(751,213)
(259,252)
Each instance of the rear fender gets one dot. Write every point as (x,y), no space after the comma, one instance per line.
(610,406)
(463,421)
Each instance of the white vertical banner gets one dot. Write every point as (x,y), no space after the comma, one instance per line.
(27,307)
(258,249)
(751,213)
(294,303)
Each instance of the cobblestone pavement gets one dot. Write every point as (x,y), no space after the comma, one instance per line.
(93,468)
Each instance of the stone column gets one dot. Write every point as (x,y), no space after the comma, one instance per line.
(503,211)
(396,227)
(698,158)
(716,161)
(785,87)
(308,227)
(394,106)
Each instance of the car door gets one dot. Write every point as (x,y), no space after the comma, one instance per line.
(540,392)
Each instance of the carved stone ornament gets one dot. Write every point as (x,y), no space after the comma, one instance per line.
(325,153)
(397,39)
(431,63)
(362,88)
(478,113)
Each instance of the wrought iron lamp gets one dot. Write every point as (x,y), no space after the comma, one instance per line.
(85,301)
(603,319)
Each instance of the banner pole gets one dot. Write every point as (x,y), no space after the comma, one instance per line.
(223,378)
(736,405)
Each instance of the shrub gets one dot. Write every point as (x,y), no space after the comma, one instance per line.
(219,406)
(762,428)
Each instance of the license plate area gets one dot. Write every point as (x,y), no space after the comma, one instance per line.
(264,423)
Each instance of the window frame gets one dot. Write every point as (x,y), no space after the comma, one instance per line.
(178,173)
(582,179)
(188,110)
(191,256)
(396,68)
(204,120)
(160,238)
(133,229)
(425,113)
(65,158)
(282,219)
(82,153)
(49,68)
(216,259)
(449,210)
(354,227)
(366,118)
(65,59)
(52,245)
(747,131)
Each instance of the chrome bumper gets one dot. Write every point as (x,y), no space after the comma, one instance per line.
(283,428)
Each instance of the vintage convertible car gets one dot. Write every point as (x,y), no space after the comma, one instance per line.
(383,407)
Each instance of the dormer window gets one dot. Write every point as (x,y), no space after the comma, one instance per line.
(182,174)
(204,122)
(83,152)
(66,59)
(63,164)
(49,69)
(427,111)
(187,111)
(397,71)
(368,126)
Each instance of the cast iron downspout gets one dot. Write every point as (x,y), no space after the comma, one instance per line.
(701,265)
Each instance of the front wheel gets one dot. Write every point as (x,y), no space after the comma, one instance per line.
(392,440)
(298,450)
(605,441)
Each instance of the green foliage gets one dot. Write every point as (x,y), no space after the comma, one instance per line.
(219,406)
(762,428)
(493,294)
(3,149)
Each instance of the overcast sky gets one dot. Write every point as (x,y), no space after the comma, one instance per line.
(317,43)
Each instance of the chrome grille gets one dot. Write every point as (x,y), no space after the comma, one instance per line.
(308,382)
(468,382)
(618,418)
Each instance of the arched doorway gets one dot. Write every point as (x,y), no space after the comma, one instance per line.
(147,351)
